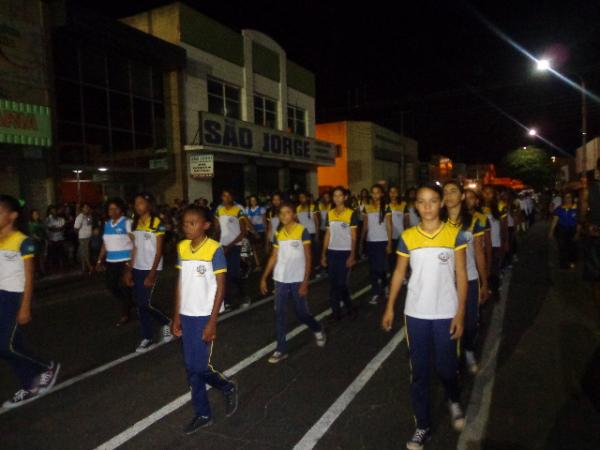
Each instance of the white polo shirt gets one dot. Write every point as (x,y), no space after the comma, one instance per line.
(229,221)
(14,250)
(398,211)
(432,284)
(145,241)
(340,226)
(377,231)
(198,277)
(306,217)
(291,263)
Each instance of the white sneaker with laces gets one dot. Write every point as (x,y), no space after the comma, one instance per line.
(166,335)
(246,302)
(321,338)
(471,362)
(457,416)
(277,357)
(374,300)
(144,346)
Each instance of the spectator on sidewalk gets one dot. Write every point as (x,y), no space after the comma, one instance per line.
(55,224)
(590,217)
(564,228)
(37,231)
(83,226)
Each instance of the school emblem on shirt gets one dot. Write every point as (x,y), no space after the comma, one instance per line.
(231,220)
(444,257)
(295,244)
(11,256)
(344,225)
(147,236)
(201,270)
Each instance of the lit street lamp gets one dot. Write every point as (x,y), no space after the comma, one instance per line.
(78,173)
(532,132)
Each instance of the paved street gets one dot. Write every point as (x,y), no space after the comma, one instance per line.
(538,387)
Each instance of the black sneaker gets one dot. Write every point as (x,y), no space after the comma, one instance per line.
(197,423)
(46,380)
(417,442)
(231,399)
(21,397)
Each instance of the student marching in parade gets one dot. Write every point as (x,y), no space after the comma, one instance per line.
(565,228)
(324,206)
(147,263)
(413,218)
(339,252)
(377,229)
(17,269)
(473,226)
(290,262)
(398,210)
(257,216)
(272,221)
(198,301)
(498,224)
(232,226)
(310,219)
(116,247)
(435,307)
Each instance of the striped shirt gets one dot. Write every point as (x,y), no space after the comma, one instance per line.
(117,240)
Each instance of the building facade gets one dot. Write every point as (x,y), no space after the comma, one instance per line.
(117,109)
(368,154)
(25,102)
(248,112)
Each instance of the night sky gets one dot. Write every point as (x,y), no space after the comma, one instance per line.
(434,69)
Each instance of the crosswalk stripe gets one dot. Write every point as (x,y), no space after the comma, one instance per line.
(318,430)
(146,422)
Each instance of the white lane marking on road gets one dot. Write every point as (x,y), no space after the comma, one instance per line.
(318,430)
(146,422)
(480,401)
(90,373)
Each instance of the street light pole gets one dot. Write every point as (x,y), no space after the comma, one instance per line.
(583,126)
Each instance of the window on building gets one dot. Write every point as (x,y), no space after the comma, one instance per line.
(265,111)
(296,120)
(224,99)
(113,104)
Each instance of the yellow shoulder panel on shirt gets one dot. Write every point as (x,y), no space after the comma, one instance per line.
(415,237)
(398,207)
(13,242)
(204,253)
(346,216)
(294,234)
(233,211)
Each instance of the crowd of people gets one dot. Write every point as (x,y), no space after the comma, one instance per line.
(448,244)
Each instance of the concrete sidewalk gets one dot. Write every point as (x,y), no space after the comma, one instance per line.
(547,386)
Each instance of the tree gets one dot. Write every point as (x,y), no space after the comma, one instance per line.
(532,165)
